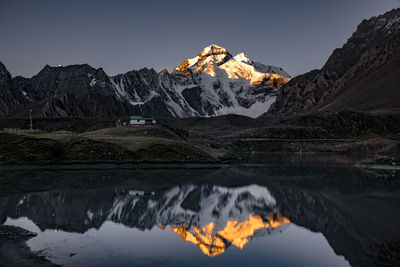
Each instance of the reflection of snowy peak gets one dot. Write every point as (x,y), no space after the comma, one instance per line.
(191,204)
(195,205)
(211,217)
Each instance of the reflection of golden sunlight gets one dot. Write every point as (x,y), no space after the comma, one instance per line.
(55,230)
(162,227)
(238,234)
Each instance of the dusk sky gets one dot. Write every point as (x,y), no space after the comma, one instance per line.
(121,35)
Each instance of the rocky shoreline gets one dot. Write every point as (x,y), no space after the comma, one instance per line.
(14,251)
(378,167)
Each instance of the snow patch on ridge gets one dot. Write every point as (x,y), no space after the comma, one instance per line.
(192,61)
(119,88)
(241,57)
(254,111)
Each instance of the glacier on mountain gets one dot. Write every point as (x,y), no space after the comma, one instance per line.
(212,83)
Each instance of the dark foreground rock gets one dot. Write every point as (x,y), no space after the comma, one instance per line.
(14,251)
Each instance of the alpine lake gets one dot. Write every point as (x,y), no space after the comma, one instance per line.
(280,210)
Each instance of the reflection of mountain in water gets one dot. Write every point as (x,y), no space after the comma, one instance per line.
(356,211)
(211,217)
(212,243)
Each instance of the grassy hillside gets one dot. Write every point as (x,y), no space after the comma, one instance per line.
(110,145)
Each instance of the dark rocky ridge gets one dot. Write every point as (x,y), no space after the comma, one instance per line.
(10,99)
(72,91)
(83,91)
(375,44)
(52,81)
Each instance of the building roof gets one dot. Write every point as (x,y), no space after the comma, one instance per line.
(146,118)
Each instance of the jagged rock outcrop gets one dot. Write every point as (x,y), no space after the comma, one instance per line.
(10,99)
(72,91)
(375,44)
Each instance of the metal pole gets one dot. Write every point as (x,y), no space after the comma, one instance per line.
(30,119)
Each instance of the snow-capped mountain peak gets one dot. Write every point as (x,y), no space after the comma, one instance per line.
(242,57)
(213,50)
(210,84)
(209,56)
(216,56)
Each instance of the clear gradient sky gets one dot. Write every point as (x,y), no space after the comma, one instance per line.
(121,35)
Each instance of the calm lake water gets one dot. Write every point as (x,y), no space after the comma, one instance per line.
(291,211)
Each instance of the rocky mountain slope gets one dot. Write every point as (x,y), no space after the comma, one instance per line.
(363,74)
(72,91)
(213,83)
(10,99)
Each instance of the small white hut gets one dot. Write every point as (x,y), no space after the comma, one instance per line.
(142,120)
